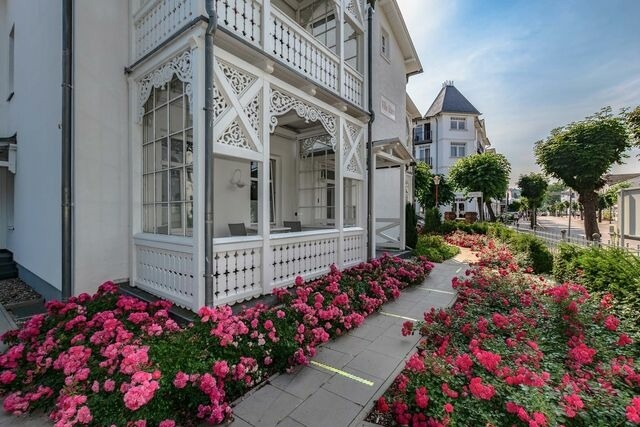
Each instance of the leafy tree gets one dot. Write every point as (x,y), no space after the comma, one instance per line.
(580,153)
(486,172)
(607,199)
(533,188)
(515,206)
(633,121)
(426,188)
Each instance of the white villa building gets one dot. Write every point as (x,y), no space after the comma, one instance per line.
(451,129)
(288,148)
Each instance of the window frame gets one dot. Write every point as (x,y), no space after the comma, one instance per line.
(167,162)
(458,121)
(385,44)
(457,146)
(273,191)
(11,63)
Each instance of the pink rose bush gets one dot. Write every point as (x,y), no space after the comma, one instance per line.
(111,359)
(516,350)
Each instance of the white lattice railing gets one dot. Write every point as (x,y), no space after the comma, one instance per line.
(353,246)
(241,17)
(157,20)
(306,254)
(237,269)
(167,270)
(353,85)
(291,44)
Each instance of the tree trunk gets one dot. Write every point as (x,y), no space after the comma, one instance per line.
(589,203)
(492,215)
(480,209)
(533,217)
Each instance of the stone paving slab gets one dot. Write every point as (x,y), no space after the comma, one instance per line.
(325,409)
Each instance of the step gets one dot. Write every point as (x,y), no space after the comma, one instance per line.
(6,256)
(9,273)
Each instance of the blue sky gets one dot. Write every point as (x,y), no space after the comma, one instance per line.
(528,66)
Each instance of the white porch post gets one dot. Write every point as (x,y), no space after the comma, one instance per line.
(199,155)
(340,46)
(265,25)
(339,203)
(264,193)
(403,225)
(372,233)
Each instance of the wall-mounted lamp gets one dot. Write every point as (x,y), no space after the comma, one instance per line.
(236,179)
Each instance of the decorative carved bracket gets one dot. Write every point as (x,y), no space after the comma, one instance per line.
(181,66)
(281,103)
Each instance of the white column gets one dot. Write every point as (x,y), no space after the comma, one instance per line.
(264,194)
(265,27)
(403,225)
(340,47)
(372,233)
(339,204)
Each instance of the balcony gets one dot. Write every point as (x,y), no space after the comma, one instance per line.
(421,137)
(267,28)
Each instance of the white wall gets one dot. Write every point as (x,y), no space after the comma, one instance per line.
(34,113)
(231,204)
(389,80)
(101,199)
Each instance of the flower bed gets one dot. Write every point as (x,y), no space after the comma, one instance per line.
(110,359)
(515,350)
(472,241)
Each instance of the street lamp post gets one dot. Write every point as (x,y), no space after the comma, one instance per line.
(570,213)
(436,181)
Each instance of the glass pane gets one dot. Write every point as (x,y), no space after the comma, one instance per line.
(147,158)
(188,211)
(188,191)
(161,155)
(175,88)
(177,151)
(176,219)
(254,170)
(148,225)
(254,211)
(177,184)
(147,128)
(187,113)
(148,191)
(148,106)
(161,95)
(176,122)
(161,187)
(254,191)
(161,122)
(188,142)
(162,219)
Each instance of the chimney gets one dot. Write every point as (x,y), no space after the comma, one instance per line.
(447,83)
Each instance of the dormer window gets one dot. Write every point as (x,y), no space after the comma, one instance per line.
(458,123)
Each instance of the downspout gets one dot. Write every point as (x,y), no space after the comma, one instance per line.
(67,149)
(208,150)
(372,117)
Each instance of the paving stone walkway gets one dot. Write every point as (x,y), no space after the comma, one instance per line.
(339,386)
(346,375)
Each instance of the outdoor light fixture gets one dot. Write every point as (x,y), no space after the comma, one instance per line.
(236,179)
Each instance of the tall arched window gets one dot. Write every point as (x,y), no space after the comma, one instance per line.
(167,156)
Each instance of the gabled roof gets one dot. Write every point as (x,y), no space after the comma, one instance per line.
(399,27)
(412,110)
(613,179)
(450,100)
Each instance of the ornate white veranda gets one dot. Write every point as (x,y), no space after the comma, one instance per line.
(280,154)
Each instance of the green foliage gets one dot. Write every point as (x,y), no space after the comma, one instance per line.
(411,222)
(533,250)
(580,153)
(602,270)
(426,188)
(609,198)
(435,249)
(486,172)
(533,188)
(448,227)
(432,220)
(500,232)
(633,121)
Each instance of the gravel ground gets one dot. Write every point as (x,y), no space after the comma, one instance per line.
(15,290)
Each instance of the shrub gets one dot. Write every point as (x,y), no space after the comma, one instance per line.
(517,351)
(564,262)
(111,359)
(534,252)
(411,223)
(432,220)
(435,249)
(500,232)
(476,228)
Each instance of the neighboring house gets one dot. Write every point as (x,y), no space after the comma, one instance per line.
(394,60)
(289,140)
(450,130)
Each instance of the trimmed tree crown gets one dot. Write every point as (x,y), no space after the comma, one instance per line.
(486,172)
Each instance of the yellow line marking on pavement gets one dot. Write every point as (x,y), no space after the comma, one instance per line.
(398,316)
(437,290)
(458,270)
(343,373)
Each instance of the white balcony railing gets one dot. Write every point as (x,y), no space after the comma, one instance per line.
(275,33)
